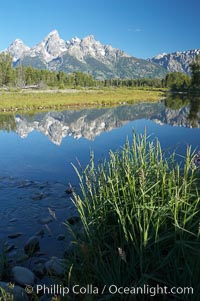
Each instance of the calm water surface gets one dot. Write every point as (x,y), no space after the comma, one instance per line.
(36,153)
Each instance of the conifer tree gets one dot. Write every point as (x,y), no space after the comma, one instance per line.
(195,68)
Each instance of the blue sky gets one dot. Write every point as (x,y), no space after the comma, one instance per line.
(142,28)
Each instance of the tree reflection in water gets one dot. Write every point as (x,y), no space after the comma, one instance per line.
(179,101)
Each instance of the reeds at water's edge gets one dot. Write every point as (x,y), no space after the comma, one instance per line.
(140,212)
(139,225)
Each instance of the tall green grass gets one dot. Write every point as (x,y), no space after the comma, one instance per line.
(140,217)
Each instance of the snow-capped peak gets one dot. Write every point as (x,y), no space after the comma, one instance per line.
(17,42)
(73,41)
(89,39)
(17,48)
(50,47)
(53,33)
(160,56)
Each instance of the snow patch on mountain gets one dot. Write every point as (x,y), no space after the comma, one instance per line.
(49,48)
(17,49)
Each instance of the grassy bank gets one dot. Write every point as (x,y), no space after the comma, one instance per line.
(36,100)
(140,215)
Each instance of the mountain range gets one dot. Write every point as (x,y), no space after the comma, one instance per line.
(85,55)
(176,61)
(91,56)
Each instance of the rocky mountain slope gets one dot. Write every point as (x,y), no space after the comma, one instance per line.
(17,49)
(85,55)
(176,61)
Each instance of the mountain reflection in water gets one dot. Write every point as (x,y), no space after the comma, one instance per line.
(89,123)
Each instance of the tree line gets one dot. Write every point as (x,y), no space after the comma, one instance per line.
(22,77)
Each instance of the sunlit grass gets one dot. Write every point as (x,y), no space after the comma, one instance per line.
(42,100)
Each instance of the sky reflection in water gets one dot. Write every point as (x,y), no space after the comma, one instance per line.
(43,146)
